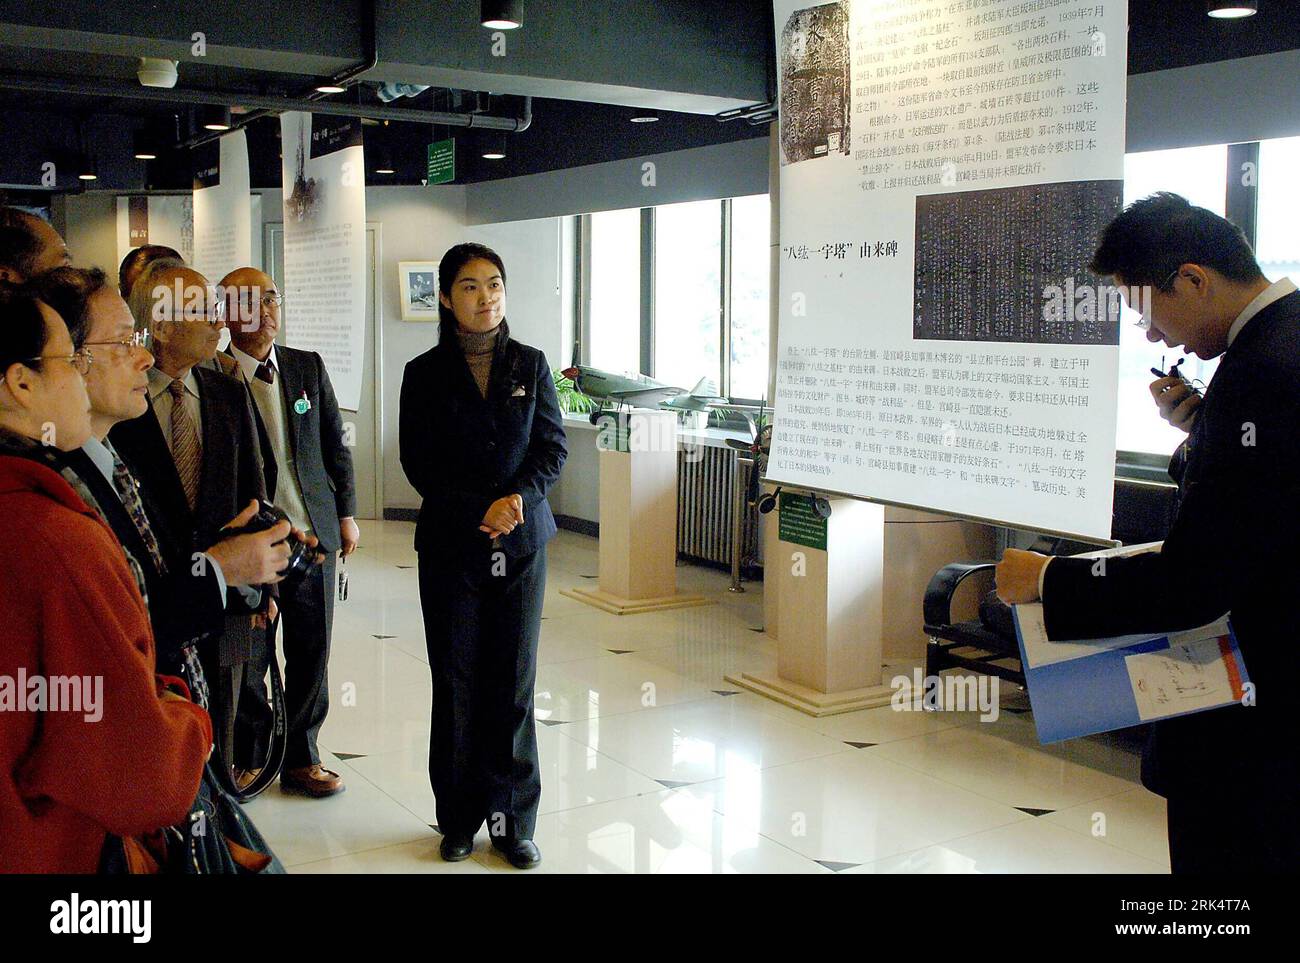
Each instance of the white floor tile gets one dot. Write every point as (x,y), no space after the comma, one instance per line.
(649,770)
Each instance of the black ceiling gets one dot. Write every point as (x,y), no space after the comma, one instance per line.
(37,126)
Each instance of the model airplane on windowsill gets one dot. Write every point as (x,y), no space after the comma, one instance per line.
(639,391)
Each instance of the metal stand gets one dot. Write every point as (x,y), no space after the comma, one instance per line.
(738,520)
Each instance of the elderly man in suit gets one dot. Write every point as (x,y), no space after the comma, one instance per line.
(186,603)
(312,480)
(1231,776)
(196,450)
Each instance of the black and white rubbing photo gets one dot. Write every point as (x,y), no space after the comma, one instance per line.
(813,60)
(1012,264)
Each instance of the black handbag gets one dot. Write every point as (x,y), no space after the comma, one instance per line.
(216,838)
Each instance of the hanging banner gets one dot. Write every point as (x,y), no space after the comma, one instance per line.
(166,219)
(946,169)
(169,219)
(325,245)
(222,214)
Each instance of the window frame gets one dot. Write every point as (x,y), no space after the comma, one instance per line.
(582,295)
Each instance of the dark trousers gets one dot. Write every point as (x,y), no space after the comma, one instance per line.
(1244,828)
(225,683)
(482,614)
(307,615)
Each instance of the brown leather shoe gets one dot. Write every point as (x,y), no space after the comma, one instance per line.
(313,780)
(244,777)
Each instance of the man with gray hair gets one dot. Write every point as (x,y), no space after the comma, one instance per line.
(196,449)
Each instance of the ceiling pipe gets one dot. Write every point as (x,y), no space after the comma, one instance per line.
(342,79)
(271,104)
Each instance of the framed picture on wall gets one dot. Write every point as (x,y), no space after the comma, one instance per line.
(417,288)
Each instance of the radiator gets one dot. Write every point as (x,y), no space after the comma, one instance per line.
(705,495)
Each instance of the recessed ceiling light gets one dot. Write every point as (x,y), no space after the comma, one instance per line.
(495,148)
(501,14)
(330,89)
(215,117)
(1231,9)
(645,117)
(144,145)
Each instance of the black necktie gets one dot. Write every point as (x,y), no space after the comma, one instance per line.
(266,372)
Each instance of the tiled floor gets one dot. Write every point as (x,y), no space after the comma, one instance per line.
(652,762)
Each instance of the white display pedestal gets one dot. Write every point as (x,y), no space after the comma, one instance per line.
(638,518)
(828,609)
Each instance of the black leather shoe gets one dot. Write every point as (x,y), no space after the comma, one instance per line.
(519,853)
(455,847)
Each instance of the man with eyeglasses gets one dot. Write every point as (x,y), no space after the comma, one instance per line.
(313,482)
(186,605)
(1231,776)
(195,448)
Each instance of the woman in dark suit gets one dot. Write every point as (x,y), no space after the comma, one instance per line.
(482,441)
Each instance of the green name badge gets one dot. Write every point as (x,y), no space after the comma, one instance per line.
(302,405)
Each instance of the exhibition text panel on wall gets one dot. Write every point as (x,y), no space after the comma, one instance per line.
(946,169)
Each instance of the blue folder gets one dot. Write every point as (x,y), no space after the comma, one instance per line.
(1095,691)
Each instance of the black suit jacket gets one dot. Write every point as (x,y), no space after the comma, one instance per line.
(183,608)
(317,448)
(230,476)
(462,452)
(1232,548)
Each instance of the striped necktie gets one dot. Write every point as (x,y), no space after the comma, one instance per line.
(128,491)
(186,449)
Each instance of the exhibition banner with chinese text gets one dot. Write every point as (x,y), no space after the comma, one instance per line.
(946,169)
(325,245)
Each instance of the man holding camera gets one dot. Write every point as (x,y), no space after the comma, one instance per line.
(311,480)
(186,603)
(196,449)
(1231,776)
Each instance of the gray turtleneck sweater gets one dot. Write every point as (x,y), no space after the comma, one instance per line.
(478,347)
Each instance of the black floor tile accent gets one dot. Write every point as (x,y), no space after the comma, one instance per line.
(1035,812)
(859,745)
(672,783)
(835,867)
(725,692)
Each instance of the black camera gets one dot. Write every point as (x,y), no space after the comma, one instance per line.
(301,555)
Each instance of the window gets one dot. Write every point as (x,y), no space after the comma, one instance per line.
(615,310)
(687,304)
(691,321)
(1277,245)
(1200,175)
(751,253)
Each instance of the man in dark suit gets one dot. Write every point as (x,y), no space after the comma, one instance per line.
(310,477)
(186,602)
(1231,776)
(195,448)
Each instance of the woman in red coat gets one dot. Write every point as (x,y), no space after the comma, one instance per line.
(90,742)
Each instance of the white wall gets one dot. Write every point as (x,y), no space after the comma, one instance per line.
(420,224)
(88,223)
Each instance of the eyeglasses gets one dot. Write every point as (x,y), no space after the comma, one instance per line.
(80,359)
(1165,286)
(266,300)
(214,316)
(120,350)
